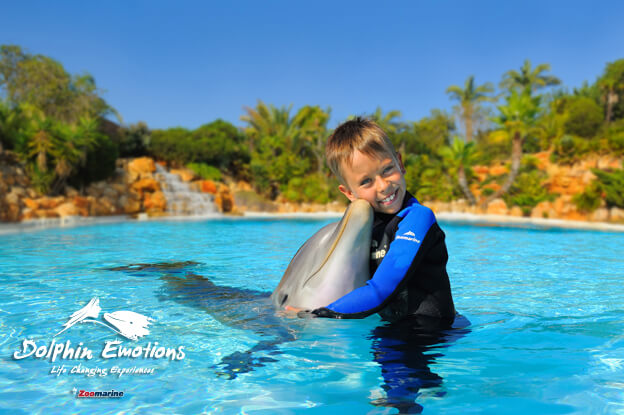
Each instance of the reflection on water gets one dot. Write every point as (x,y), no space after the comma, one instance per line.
(404,349)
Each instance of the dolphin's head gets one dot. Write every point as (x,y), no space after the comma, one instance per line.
(332,263)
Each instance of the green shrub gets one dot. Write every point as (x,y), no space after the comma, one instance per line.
(616,141)
(99,163)
(205,171)
(312,188)
(569,149)
(528,190)
(612,184)
(589,200)
(584,117)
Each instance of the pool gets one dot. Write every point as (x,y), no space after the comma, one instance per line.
(545,334)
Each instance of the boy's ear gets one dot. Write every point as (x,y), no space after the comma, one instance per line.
(400,160)
(348,193)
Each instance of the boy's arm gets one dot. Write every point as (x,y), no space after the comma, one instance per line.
(405,252)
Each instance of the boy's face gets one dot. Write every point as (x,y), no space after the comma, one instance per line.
(377,180)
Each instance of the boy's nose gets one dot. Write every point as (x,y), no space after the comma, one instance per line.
(382,184)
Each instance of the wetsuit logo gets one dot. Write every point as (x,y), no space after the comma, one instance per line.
(409,236)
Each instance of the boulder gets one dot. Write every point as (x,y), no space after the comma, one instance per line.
(544,209)
(129,204)
(155,202)
(141,167)
(224,199)
(497,207)
(186,175)
(67,209)
(146,185)
(30,203)
(600,215)
(617,214)
(498,170)
(208,186)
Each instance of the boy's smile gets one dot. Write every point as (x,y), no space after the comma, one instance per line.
(378,180)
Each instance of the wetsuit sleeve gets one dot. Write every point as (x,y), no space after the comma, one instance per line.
(391,273)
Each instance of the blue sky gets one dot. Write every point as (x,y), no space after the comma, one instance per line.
(188,63)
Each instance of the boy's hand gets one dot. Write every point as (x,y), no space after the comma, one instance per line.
(319,312)
(295,309)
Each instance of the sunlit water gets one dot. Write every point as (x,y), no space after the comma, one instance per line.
(545,307)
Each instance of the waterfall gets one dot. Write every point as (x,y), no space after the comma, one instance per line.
(181,199)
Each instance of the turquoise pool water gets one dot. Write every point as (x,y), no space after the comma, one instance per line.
(546,331)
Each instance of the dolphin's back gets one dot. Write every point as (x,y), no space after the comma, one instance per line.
(332,263)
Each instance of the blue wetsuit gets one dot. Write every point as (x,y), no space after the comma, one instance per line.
(409,270)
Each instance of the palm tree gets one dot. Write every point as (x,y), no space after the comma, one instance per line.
(459,155)
(533,79)
(611,83)
(469,99)
(312,124)
(517,120)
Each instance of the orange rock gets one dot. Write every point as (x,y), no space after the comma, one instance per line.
(30,203)
(45,213)
(544,209)
(146,185)
(543,159)
(498,170)
(208,186)
(142,166)
(155,202)
(186,175)
(28,214)
(516,211)
(81,202)
(481,169)
(67,209)
(49,202)
(224,199)
(497,207)
(242,185)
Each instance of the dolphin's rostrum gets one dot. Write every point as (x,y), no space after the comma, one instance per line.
(332,263)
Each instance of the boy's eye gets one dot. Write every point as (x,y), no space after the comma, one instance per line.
(388,169)
(364,182)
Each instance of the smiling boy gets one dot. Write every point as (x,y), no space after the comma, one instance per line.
(408,252)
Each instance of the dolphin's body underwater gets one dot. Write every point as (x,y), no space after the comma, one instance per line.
(332,263)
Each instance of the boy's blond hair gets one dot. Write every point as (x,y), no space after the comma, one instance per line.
(360,134)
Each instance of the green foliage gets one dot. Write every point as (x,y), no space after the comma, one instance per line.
(569,149)
(41,181)
(612,184)
(99,162)
(205,171)
(584,117)
(470,99)
(43,82)
(428,134)
(527,190)
(590,199)
(312,188)
(218,143)
(134,141)
(528,78)
(427,179)
(284,147)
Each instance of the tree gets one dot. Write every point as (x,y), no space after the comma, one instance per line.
(459,155)
(43,82)
(531,78)
(469,99)
(517,120)
(611,83)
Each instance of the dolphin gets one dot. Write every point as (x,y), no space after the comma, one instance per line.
(332,263)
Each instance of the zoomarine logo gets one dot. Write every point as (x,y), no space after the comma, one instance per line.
(409,236)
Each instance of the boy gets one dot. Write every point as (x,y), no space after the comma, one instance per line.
(408,253)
